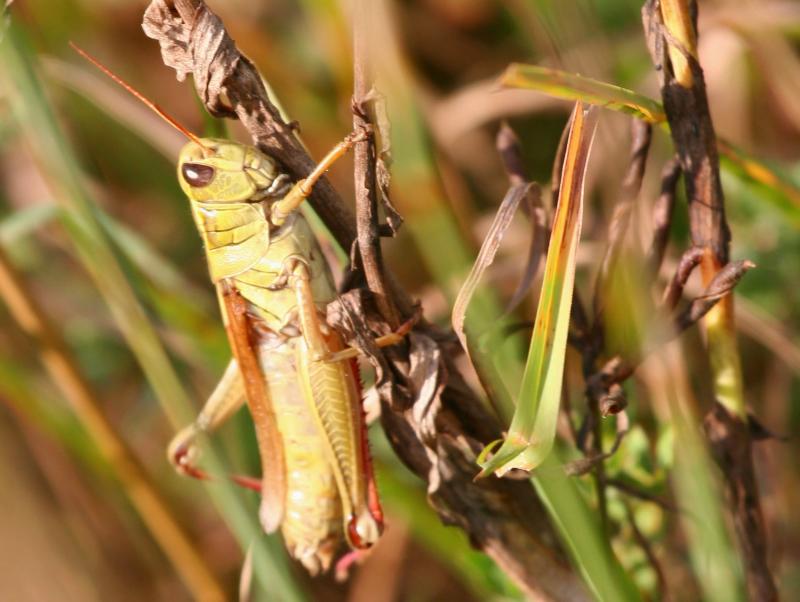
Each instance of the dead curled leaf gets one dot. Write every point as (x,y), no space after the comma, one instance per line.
(354,314)
(161,24)
(348,316)
(378,115)
(203,49)
(506,211)
(721,285)
(424,376)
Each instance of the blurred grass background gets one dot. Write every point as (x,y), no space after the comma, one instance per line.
(67,531)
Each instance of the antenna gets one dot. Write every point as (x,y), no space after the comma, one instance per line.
(153,106)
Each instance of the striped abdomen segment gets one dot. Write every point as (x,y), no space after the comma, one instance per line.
(312,524)
(332,388)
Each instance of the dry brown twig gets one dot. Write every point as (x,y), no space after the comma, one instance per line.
(371,171)
(434,421)
(671,35)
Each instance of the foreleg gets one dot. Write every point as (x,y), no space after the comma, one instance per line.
(302,189)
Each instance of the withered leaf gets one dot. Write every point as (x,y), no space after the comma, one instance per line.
(379,117)
(502,220)
(202,48)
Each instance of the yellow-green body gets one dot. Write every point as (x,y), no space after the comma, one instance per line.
(281,273)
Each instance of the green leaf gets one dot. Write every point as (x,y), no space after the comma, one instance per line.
(533,427)
(571,86)
(581,533)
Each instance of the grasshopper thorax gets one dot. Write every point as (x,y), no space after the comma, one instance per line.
(225,171)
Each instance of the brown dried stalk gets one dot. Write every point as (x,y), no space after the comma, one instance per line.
(671,32)
(662,214)
(686,264)
(510,151)
(365,172)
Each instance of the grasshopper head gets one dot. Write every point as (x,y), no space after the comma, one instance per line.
(222,171)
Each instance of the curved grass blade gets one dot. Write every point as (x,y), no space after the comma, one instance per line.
(533,427)
(582,534)
(570,86)
(491,380)
(508,207)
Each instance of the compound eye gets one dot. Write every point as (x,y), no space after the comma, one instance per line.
(197,174)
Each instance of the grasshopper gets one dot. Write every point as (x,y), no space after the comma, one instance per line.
(294,371)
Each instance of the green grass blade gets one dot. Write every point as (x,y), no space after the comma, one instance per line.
(21,223)
(581,533)
(570,86)
(533,427)
(713,557)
